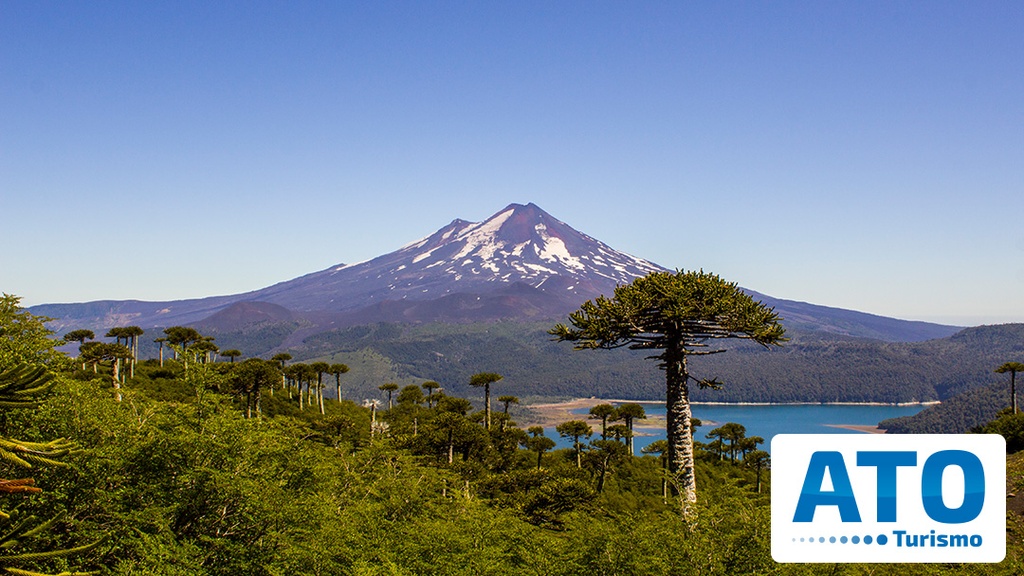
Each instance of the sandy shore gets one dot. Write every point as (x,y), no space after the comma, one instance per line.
(550,415)
(867,429)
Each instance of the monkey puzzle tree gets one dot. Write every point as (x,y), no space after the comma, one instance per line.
(21,386)
(430,386)
(603,412)
(281,359)
(320,368)
(27,360)
(96,352)
(675,314)
(575,429)
(161,342)
(508,399)
(538,442)
(390,388)
(660,447)
(203,349)
(231,354)
(131,340)
(251,378)
(181,339)
(1012,368)
(338,370)
(79,336)
(758,459)
(485,379)
(627,413)
(302,373)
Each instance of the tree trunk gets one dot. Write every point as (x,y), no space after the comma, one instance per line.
(337,388)
(161,354)
(1013,390)
(629,425)
(677,410)
(664,479)
(487,405)
(604,472)
(116,377)
(539,455)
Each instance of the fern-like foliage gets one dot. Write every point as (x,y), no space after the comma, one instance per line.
(22,386)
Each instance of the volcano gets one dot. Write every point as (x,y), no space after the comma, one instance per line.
(520,264)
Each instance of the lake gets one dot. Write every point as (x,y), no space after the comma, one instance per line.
(763,421)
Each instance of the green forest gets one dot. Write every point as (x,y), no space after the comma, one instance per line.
(811,367)
(195,460)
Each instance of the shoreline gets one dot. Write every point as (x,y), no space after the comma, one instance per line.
(867,429)
(553,413)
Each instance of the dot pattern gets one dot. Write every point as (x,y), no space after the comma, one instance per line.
(881,539)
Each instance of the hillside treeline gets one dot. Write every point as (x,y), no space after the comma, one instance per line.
(810,368)
(956,415)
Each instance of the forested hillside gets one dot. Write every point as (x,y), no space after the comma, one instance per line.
(956,415)
(812,367)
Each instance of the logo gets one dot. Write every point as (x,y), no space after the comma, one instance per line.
(888,498)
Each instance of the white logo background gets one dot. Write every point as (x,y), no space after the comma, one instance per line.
(828,539)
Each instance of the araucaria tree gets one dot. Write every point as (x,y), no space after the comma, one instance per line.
(338,370)
(251,378)
(675,314)
(1012,368)
(485,379)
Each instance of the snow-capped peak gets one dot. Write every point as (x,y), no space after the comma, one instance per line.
(519,244)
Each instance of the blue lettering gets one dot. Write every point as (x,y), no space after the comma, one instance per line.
(974,486)
(886,463)
(812,496)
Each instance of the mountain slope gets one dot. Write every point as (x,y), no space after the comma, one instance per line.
(520,244)
(520,264)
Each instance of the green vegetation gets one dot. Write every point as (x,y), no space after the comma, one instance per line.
(1012,368)
(809,368)
(674,315)
(227,468)
(968,410)
(956,415)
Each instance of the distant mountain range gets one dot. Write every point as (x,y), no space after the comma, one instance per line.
(519,264)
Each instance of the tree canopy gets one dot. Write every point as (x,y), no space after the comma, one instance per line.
(676,315)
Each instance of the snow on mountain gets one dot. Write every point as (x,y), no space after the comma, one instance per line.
(520,244)
(520,263)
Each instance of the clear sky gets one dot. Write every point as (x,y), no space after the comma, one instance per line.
(863,155)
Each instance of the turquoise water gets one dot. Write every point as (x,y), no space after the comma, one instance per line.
(763,421)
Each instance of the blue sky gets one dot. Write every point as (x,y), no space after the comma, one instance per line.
(864,155)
